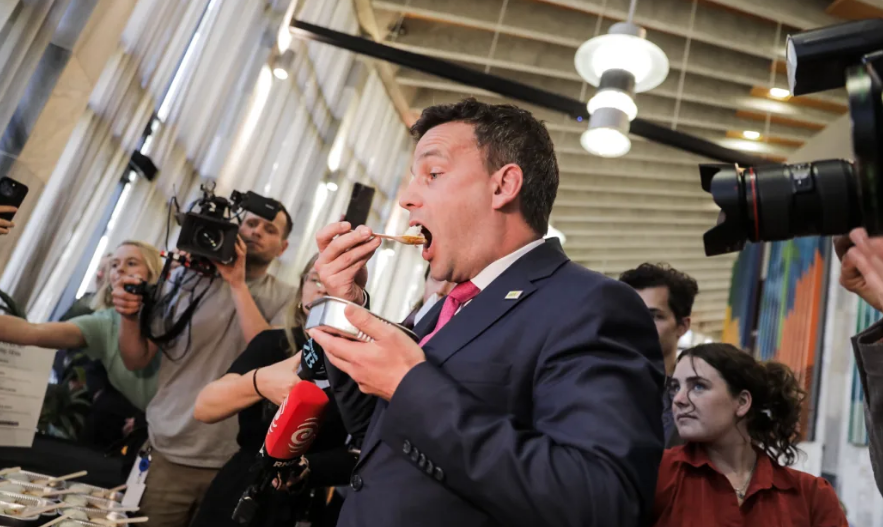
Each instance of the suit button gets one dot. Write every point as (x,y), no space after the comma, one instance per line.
(415,454)
(422,462)
(429,467)
(439,474)
(406,448)
(356,483)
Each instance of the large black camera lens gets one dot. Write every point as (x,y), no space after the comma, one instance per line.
(780,202)
(7,188)
(208,238)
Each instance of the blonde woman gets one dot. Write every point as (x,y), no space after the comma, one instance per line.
(255,384)
(98,334)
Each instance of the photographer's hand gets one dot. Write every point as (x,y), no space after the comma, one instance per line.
(861,270)
(234,273)
(343,255)
(5,225)
(127,304)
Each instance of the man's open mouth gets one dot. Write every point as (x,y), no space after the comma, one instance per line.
(424,232)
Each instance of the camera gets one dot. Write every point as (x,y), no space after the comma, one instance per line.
(781,202)
(141,288)
(210,232)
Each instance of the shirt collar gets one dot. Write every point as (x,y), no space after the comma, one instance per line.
(491,272)
(766,473)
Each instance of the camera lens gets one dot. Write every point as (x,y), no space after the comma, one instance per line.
(208,238)
(7,189)
(780,202)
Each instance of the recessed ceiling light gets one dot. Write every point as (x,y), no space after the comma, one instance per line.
(751,134)
(779,93)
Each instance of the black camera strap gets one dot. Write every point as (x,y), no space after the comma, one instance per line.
(179,325)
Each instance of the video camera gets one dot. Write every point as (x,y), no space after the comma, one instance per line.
(780,202)
(211,232)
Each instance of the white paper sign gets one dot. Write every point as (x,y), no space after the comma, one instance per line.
(24,375)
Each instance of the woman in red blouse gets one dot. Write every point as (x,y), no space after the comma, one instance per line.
(738,417)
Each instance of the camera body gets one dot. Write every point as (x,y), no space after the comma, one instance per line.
(211,231)
(832,197)
(141,288)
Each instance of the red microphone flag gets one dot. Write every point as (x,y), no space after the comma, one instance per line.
(296,422)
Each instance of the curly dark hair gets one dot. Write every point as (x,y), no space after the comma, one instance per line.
(773,421)
(682,288)
(507,134)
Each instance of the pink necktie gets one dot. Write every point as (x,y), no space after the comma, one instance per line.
(461,294)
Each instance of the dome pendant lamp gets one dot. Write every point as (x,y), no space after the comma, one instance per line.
(621,63)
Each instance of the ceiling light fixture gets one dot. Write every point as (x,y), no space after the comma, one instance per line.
(779,93)
(751,134)
(282,64)
(620,64)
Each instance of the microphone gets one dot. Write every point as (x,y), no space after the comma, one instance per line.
(296,423)
(292,431)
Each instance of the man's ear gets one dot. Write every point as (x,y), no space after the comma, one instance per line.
(282,249)
(684,326)
(506,183)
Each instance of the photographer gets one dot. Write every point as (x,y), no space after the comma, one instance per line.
(187,454)
(861,272)
(127,393)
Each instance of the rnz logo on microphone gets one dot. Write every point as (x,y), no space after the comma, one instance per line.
(302,437)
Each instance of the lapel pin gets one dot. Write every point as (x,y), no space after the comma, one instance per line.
(513,295)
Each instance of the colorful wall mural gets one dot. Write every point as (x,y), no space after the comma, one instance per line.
(858,434)
(790,322)
(742,305)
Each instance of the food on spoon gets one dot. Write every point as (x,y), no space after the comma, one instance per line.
(19,476)
(15,489)
(414,236)
(69,523)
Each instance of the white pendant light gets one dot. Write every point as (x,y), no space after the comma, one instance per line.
(612,98)
(606,142)
(620,64)
(625,48)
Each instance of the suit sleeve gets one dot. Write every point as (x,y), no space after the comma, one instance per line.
(356,408)
(868,351)
(591,455)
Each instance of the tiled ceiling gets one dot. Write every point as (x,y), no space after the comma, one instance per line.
(725,56)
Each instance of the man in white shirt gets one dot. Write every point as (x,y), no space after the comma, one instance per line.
(533,395)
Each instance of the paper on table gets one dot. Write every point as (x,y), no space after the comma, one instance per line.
(24,374)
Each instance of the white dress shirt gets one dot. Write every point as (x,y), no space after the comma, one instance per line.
(490,273)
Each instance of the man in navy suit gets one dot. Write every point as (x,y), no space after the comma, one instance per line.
(534,395)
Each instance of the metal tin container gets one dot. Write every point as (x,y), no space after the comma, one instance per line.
(327,314)
(20,502)
(78,523)
(97,514)
(93,502)
(29,489)
(36,476)
(90,490)
(30,501)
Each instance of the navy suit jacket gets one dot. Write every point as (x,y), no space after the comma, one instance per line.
(540,410)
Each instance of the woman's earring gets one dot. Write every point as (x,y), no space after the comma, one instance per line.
(300,305)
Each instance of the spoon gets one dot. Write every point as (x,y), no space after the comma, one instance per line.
(405,239)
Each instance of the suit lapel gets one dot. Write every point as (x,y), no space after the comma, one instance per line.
(489,306)
(495,301)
